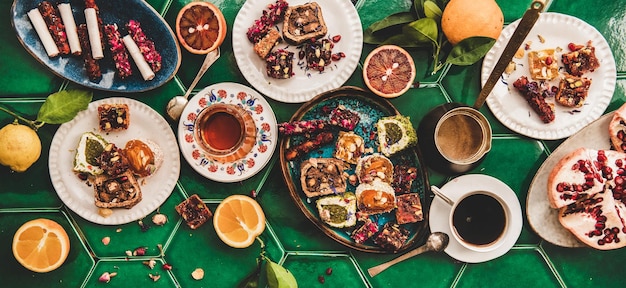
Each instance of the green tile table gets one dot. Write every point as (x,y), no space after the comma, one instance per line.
(290,238)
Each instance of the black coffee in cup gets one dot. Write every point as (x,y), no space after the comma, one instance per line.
(479,219)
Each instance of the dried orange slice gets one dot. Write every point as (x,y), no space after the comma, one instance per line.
(41,245)
(201,27)
(238,220)
(388,71)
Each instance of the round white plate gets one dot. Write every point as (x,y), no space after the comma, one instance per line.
(341,19)
(266,132)
(457,187)
(145,123)
(541,217)
(508,105)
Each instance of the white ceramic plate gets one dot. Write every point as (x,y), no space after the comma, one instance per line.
(457,187)
(341,19)
(558,30)
(266,132)
(541,217)
(145,123)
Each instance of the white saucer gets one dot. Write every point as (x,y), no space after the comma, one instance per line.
(266,132)
(440,211)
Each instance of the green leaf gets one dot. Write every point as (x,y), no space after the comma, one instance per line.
(424,30)
(62,106)
(279,277)
(470,50)
(392,20)
(431,10)
(405,41)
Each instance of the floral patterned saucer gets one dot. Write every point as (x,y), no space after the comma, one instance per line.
(266,132)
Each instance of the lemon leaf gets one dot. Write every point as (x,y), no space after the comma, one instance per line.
(431,10)
(279,277)
(424,30)
(62,106)
(470,50)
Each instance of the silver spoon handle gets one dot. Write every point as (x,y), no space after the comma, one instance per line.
(382,267)
(440,194)
(210,58)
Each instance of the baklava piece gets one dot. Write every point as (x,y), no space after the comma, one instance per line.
(318,54)
(409,208)
(580,59)
(364,232)
(543,65)
(392,237)
(121,191)
(573,91)
(303,22)
(265,45)
(113,117)
(322,176)
(194,211)
(279,64)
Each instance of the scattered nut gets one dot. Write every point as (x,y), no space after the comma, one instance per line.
(106,277)
(197,274)
(161,252)
(150,263)
(118,230)
(128,253)
(154,277)
(159,219)
(106,240)
(105,212)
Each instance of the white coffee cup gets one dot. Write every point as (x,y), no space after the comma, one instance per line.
(478,219)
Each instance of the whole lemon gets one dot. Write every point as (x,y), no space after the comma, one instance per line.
(20,147)
(462,19)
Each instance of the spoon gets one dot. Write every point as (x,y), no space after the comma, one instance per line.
(437,241)
(177,104)
(440,194)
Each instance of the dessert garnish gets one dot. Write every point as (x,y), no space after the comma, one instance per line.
(395,133)
(120,191)
(194,211)
(90,147)
(338,211)
(322,176)
(274,14)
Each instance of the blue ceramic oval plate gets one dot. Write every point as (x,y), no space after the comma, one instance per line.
(370,109)
(111,11)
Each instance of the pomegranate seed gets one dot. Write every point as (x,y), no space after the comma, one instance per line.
(329,271)
(335,57)
(548,60)
(571,47)
(167,267)
(343,55)
(321,279)
(336,38)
